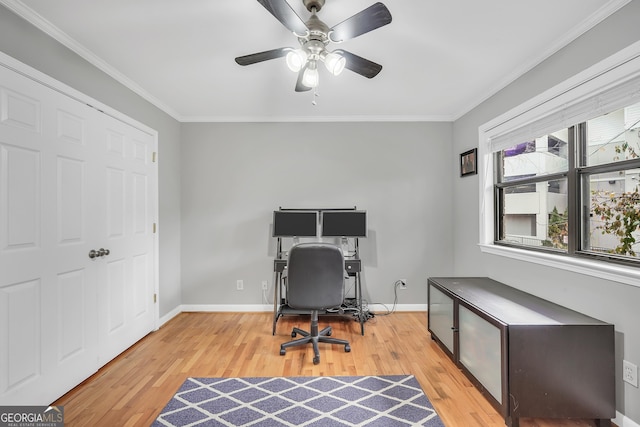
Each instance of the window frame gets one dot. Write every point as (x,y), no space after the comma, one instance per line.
(614,71)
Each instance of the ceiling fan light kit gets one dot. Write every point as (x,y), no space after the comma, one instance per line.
(314,36)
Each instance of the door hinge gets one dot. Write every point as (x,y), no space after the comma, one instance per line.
(155,298)
(153,157)
(154,228)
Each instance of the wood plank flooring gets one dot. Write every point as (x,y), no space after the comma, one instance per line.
(133,388)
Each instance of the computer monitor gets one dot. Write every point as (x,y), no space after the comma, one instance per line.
(295,223)
(349,223)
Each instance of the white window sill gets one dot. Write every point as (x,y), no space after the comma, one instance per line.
(602,270)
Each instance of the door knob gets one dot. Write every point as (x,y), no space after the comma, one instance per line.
(99,253)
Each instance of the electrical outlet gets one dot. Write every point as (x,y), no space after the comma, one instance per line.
(239,284)
(265,285)
(630,373)
(403,283)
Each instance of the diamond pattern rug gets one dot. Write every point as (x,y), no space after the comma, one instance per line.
(372,401)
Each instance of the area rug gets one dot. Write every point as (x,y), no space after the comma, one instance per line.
(372,401)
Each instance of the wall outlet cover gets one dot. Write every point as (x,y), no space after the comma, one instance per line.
(630,373)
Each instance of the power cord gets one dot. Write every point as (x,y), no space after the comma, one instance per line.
(395,300)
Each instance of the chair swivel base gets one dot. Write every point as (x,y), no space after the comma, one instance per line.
(323,336)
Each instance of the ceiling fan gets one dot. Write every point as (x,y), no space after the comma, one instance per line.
(315,36)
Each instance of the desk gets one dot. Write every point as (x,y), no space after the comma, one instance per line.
(353,267)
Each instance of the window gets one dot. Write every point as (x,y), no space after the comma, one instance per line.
(610,178)
(531,192)
(532,189)
(560,174)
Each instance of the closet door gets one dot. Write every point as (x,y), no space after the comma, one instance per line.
(60,193)
(47,283)
(126,278)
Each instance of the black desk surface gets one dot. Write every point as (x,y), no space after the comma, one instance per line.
(509,304)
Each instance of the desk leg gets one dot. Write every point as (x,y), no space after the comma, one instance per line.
(276,300)
(359,302)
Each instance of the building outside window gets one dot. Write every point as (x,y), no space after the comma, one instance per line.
(574,190)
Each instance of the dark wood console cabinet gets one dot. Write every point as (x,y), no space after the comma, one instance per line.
(528,356)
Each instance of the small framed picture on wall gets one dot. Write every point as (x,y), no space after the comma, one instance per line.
(468,162)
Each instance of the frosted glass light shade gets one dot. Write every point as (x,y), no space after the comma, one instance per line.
(296,59)
(310,77)
(335,63)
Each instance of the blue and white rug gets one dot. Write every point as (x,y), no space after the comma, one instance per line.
(373,401)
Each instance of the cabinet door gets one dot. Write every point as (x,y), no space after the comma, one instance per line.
(481,350)
(440,317)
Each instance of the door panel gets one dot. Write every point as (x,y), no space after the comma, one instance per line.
(441,317)
(21,333)
(19,110)
(66,188)
(72,286)
(71,218)
(116,296)
(20,193)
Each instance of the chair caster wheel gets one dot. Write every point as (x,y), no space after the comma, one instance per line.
(316,360)
(283,352)
(293,334)
(347,348)
(329,333)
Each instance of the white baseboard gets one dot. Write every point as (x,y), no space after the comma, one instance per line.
(623,421)
(170,315)
(384,308)
(260,308)
(265,308)
(253,308)
(227,308)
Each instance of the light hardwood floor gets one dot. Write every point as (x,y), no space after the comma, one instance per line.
(133,388)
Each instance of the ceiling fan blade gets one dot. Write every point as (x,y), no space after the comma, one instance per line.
(375,16)
(262,56)
(358,64)
(284,13)
(299,86)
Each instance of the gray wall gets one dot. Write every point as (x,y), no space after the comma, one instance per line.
(610,301)
(27,44)
(235,175)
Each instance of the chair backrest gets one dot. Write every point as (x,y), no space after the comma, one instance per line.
(315,276)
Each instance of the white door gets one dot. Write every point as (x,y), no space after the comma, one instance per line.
(126,289)
(61,196)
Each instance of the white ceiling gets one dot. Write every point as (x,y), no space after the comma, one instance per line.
(440,58)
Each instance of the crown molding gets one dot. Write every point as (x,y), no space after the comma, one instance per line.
(318,119)
(54,32)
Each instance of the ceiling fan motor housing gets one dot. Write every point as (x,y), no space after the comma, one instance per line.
(311,4)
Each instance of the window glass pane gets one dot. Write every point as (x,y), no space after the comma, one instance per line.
(614,137)
(614,219)
(541,156)
(536,214)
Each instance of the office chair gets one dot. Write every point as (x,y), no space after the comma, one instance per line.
(315,281)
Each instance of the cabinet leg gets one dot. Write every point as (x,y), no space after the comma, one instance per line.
(512,421)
